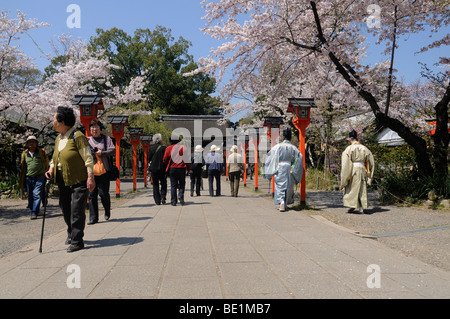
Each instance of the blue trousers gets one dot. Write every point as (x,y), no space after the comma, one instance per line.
(35,190)
(214,174)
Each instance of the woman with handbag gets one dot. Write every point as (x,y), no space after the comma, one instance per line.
(103,149)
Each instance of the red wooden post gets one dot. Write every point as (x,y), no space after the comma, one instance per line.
(135,134)
(301,109)
(118,124)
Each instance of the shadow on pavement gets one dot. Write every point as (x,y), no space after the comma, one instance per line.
(127,219)
(109,242)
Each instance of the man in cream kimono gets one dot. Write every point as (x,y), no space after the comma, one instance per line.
(356,174)
(285,163)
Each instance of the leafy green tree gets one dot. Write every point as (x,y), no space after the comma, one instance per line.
(162,60)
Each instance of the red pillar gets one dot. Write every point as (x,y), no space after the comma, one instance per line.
(135,145)
(301,124)
(245,164)
(118,136)
(256,144)
(118,167)
(145,147)
(301,147)
(226,162)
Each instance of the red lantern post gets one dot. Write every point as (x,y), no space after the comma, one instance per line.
(89,107)
(245,160)
(433,124)
(272,122)
(145,141)
(255,141)
(118,125)
(135,134)
(301,110)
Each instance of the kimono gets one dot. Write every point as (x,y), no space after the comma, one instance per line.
(285,163)
(356,174)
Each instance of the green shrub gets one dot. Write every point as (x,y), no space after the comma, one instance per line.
(10,186)
(410,186)
(326,179)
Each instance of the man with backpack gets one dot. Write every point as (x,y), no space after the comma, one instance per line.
(157,169)
(33,163)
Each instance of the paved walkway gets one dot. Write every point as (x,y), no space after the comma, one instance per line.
(217,247)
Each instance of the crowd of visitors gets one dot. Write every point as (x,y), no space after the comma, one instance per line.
(81,168)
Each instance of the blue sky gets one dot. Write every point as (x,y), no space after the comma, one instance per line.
(183,17)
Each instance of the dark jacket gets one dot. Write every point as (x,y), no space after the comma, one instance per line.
(197,162)
(155,156)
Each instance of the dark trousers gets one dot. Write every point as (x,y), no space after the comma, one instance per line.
(196,181)
(214,174)
(101,189)
(177,181)
(159,180)
(72,200)
(234,182)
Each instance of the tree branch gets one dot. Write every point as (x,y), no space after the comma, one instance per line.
(298,45)
(417,143)
(391,67)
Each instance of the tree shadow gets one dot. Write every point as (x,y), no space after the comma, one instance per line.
(334,199)
(375,210)
(128,219)
(142,205)
(110,242)
(14,212)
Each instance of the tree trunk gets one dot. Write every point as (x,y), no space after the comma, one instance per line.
(441,138)
(417,143)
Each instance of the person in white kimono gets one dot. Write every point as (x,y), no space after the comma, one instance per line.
(285,163)
(356,173)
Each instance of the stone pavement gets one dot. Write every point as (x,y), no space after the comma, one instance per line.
(217,248)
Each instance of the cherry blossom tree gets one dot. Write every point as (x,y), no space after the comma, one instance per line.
(79,73)
(274,49)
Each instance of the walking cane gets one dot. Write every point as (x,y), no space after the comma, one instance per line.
(45,202)
(285,200)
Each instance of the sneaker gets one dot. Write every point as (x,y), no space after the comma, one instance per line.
(181,201)
(282,209)
(33,217)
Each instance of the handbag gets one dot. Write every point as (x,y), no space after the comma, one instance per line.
(113,172)
(99,168)
(204,172)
